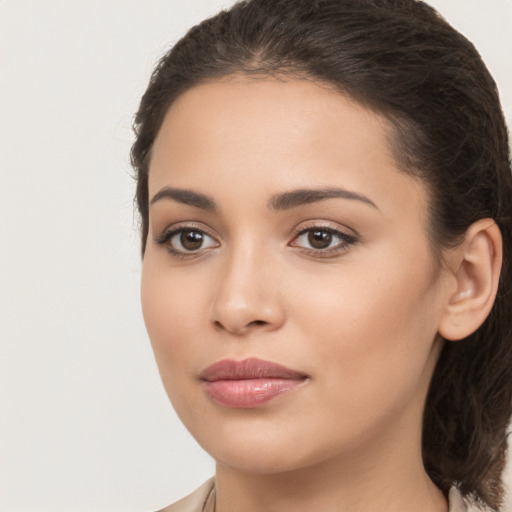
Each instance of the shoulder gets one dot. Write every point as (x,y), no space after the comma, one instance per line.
(194,502)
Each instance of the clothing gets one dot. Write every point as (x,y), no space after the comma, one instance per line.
(203,500)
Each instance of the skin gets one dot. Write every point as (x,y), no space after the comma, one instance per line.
(360,318)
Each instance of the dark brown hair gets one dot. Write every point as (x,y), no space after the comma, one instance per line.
(401,59)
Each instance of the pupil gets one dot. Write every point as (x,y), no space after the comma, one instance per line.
(320,239)
(191,240)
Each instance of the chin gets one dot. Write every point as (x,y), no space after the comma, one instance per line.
(263,447)
(261,459)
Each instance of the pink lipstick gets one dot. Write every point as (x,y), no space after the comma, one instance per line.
(248,383)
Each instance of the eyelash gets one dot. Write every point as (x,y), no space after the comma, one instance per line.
(164,240)
(345,241)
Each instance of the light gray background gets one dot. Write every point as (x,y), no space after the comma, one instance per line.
(84,422)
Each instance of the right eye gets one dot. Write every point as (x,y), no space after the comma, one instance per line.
(186,241)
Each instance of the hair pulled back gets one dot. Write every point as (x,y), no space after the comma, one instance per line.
(401,59)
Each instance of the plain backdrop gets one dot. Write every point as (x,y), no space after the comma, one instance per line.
(84,422)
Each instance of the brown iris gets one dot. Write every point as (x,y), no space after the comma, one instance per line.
(319,239)
(191,240)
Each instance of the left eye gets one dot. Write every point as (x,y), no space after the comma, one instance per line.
(189,240)
(323,239)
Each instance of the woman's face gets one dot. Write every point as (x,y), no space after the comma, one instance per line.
(282,231)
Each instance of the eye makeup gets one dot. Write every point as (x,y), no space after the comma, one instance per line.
(314,239)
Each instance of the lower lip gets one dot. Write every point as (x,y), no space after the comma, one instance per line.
(249,393)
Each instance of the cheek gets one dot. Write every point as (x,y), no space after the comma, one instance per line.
(372,331)
(173,308)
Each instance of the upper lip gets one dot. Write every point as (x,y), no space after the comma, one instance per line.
(251,368)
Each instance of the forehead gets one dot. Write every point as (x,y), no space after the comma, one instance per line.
(281,117)
(269,133)
(269,109)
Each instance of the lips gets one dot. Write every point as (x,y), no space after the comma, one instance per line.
(248,383)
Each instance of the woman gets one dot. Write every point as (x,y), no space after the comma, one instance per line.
(324,189)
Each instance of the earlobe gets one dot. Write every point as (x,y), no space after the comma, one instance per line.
(475,265)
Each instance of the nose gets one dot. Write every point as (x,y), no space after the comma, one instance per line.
(247,297)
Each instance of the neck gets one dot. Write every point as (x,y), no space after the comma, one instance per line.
(386,477)
(329,488)
(383,473)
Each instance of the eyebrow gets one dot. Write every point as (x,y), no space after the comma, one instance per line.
(301,197)
(278,202)
(183,196)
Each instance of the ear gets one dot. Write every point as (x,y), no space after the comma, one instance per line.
(474,267)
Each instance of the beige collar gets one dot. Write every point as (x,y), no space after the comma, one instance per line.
(203,500)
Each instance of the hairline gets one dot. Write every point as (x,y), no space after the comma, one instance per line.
(391,122)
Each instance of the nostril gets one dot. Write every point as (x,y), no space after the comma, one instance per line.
(254,323)
(258,322)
